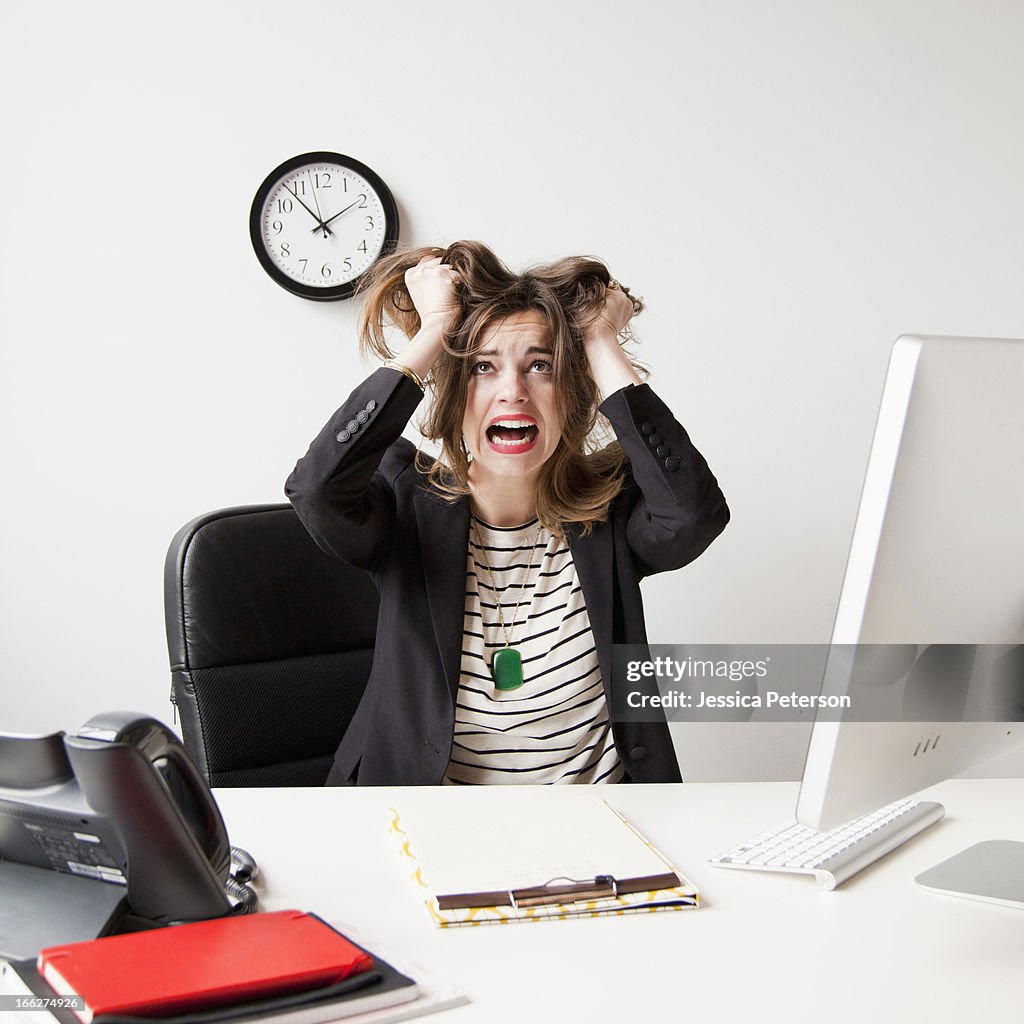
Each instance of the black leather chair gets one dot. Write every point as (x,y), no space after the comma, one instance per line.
(270,642)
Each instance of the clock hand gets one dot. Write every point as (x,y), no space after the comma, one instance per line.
(340,212)
(320,216)
(319,223)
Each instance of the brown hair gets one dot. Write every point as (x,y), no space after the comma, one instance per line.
(581,478)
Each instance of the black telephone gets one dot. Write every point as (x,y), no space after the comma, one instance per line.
(113,829)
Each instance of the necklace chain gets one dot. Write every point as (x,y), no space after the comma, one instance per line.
(505,630)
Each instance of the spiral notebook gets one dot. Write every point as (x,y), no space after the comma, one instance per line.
(483,862)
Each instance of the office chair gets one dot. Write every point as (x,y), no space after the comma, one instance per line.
(270,643)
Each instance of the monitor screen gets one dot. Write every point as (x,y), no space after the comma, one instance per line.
(933,595)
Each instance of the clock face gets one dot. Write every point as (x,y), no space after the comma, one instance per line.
(319,221)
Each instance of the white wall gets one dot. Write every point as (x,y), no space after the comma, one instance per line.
(790,185)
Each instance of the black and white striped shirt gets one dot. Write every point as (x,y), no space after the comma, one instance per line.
(555,728)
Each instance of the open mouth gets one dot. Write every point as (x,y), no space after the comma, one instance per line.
(512,435)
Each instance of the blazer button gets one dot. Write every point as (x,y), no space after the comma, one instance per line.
(371,405)
(638,753)
(352,426)
(655,440)
(362,415)
(662,451)
(671,463)
(342,436)
(646,428)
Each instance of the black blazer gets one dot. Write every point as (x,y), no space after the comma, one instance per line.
(358,492)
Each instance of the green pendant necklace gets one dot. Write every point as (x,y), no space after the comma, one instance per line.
(507,664)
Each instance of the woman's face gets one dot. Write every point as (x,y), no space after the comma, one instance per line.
(512,423)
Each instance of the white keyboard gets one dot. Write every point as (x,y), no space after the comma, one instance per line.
(835,855)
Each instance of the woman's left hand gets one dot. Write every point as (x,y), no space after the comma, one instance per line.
(615,314)
(609,365)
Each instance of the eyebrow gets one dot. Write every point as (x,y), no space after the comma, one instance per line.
(533,350)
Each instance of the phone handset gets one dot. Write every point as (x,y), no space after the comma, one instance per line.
(135,771)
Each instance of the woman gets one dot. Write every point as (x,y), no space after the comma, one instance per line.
(509,567)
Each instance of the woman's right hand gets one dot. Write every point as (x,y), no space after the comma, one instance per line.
(431,286)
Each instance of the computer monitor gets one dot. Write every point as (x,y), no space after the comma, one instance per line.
(937,558)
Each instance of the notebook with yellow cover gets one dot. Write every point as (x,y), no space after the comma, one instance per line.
(482,861)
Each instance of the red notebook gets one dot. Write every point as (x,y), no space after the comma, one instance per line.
(196,966)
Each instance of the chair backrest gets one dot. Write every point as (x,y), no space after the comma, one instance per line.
(270,642)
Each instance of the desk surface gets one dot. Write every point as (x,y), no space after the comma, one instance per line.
(878,948)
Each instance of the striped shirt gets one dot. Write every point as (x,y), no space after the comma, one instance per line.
(555,728)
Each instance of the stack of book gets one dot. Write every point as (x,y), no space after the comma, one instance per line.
(286,967)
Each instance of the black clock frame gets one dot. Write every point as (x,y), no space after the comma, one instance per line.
(335,292)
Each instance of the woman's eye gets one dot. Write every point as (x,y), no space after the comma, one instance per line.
(479,368)
(541,366)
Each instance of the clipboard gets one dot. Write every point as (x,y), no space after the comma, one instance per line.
(483,860)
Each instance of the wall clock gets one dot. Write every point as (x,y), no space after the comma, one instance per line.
(319,221)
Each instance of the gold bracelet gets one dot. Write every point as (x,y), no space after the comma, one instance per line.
(394,364)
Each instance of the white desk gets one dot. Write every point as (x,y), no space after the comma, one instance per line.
(878,949)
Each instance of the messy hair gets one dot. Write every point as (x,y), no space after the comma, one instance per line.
(583,475)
